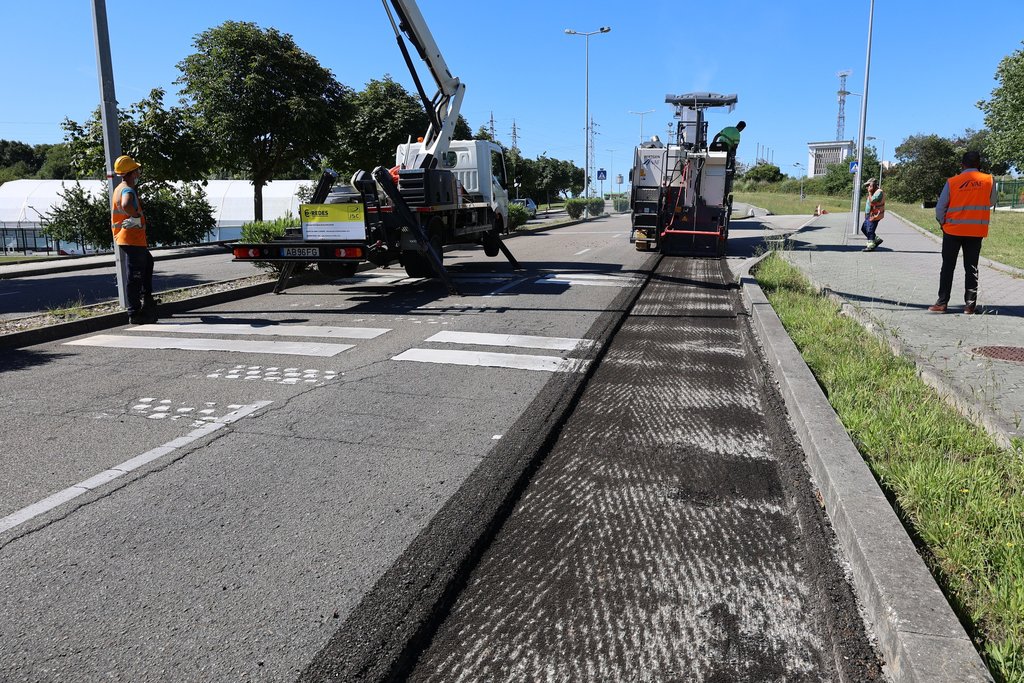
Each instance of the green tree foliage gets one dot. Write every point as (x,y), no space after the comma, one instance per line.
(265,102)
(838,180)
(924,163)
(82,218)
(385,115)
(978,140)
(764,172)
(57,164)
(170,143)
(484,133)
(19,160)
(1004,113)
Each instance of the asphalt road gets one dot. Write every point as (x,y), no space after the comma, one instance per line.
(248,496)
(27,295)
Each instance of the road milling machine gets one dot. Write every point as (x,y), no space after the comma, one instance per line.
(681,197)
(439,191)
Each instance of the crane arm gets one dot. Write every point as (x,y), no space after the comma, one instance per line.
(443,108)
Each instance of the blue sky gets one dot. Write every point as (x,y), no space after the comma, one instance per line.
(931,62)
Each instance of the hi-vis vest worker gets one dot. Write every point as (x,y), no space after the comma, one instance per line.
(127,221)
(970,196)
(876,206)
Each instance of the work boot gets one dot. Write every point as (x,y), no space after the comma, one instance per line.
(142,318)
(149,305)
(937,308)
(878,240)
(869,246)
(970,308)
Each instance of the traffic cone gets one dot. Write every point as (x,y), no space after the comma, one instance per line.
(817,210)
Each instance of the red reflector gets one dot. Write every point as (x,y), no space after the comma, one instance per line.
(349,252)
(254,253)
(240,253)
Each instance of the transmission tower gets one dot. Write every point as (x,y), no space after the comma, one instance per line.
(843,92)
(515,135)
(494,134)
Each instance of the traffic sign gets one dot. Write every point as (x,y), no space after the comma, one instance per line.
(602,174)
(853,167)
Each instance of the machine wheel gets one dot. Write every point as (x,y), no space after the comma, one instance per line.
(490,242)
(335,269)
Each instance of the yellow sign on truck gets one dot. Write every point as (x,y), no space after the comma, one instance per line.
(332,222)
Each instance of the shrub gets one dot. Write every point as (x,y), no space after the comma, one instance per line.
(268,231)
(620,204)
(596,206)
(517,216)
(574,207)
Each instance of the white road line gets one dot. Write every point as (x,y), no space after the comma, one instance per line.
(520,340)
(516,361)
(265,330)
(579,253)
(512,285)
(239,345)
(50,502)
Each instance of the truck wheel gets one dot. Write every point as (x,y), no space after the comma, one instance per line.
(416,262)
(335,270)
(490,242)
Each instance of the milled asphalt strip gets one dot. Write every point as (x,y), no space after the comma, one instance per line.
(50,502)
(918,633)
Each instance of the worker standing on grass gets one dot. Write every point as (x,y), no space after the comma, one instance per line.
(963,211)
(128,223)
(729,137)
(874,211)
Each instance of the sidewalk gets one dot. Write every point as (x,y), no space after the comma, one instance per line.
(892,288)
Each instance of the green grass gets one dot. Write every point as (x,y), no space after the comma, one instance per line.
(961,494)
(1004,244)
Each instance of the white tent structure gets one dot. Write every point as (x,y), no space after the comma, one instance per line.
(25,203)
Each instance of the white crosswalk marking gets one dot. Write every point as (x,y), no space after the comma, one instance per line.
(517,361)
(121,341)
(263,329)
(520,340)
(590,279)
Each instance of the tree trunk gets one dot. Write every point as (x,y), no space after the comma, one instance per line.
(257,200)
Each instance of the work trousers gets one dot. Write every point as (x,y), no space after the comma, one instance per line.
(868,228)
(139,287)
(951,246)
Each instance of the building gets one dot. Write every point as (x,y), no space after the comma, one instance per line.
(820,155)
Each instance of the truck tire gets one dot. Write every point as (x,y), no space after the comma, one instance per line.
(336,270)
(490,241)
(416,262)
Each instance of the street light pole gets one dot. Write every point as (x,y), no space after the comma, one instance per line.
(641,115)
(863,122)
(586,129)
(802,174)
(881,160)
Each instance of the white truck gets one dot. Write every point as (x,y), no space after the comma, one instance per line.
(681,197)
(439,191)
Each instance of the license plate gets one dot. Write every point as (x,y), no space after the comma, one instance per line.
(300,251)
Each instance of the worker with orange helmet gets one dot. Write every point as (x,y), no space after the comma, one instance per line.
(128,223)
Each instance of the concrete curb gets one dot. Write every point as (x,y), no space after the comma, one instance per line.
(918,634)
(994,265)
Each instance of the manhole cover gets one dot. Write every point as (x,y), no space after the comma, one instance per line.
(1010,353)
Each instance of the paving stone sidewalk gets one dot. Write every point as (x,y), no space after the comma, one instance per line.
(893,286)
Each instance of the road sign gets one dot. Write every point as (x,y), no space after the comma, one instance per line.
(602,174)
(853,167)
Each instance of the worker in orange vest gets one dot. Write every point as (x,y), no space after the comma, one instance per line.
(963,211)
(128,223)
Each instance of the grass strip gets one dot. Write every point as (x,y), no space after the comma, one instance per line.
(960,494)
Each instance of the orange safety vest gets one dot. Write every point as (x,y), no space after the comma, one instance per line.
(876,209)
(126,237)
(970,196)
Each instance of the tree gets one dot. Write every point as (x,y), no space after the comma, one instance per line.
(57,163)
(764,172)
(978,140)
(81,217)
(924,163)
(384,116)
(170,143)
(484,133)
(1004,113)
(265,102)
(838,180)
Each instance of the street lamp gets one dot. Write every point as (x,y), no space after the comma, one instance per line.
(881,159)
(586,127)
(863,122)
(611,176)
(641,115)
(801,167)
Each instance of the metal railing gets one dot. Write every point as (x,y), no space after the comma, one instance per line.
(1010,193)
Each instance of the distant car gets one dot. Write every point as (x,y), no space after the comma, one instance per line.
(529,204)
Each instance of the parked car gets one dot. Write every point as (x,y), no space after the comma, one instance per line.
(529,204)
